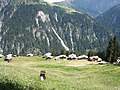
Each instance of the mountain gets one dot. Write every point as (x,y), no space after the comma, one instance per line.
(91,7)
(34,26)
(111,19)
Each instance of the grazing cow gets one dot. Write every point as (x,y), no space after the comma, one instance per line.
(8,58)
(43,75)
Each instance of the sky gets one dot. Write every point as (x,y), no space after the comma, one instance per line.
(51,1)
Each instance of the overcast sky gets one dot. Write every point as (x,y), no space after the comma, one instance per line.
(51,1)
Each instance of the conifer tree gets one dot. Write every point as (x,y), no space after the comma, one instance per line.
(112,50)
(67,53)
(62,51)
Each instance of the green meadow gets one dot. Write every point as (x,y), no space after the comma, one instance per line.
(22,73)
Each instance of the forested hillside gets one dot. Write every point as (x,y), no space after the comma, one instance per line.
(111,19)
(34,26)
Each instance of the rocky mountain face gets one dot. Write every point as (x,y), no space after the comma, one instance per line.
(34,26)
(91,7)
(111,19)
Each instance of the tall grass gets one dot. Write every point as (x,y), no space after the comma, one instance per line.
(22,73)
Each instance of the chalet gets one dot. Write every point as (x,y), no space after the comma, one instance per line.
(29,55)
(72,57)
(82,57)
(60,57)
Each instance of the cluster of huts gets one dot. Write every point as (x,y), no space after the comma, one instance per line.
(72,57)
(49,56)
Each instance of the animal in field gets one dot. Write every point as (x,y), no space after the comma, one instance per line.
(43,75)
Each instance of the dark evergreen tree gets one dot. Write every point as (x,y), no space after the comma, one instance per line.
(62,51)
(101,54)
(92,53)
(112,50)
(67,53)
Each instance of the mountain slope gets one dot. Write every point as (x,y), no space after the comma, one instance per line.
(111,19)
(91,7)
(34,27)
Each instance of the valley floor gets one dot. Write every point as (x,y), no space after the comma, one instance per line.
(22,73)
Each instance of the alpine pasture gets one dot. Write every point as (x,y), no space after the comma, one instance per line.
(23,73)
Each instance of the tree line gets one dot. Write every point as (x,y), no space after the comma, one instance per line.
(111,53)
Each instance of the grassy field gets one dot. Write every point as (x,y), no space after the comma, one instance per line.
(22,73)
